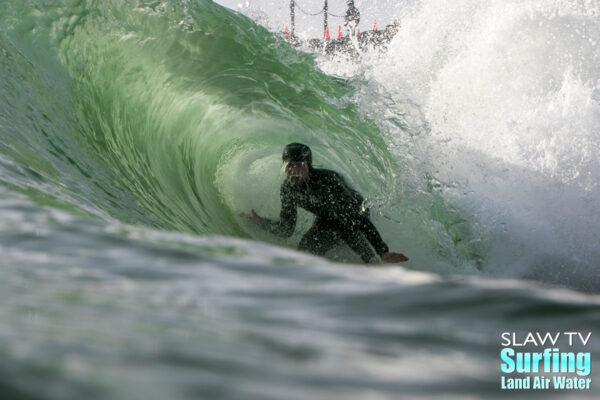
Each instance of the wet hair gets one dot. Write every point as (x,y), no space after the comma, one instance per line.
(297,152)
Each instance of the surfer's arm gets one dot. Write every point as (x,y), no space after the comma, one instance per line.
(373,236)
(368,228)
(379,245)
(287,217)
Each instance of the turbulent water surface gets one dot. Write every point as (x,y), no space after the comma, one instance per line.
(134,133)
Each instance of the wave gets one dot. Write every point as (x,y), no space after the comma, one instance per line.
(153,107)
(173,114)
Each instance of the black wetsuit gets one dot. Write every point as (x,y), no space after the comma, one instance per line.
(339,211)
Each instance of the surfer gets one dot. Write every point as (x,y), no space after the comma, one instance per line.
(340,211)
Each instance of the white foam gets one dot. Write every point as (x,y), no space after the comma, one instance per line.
(501,103)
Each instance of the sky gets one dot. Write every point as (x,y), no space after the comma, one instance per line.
(278,13)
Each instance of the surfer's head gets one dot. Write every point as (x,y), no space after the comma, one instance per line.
(297,152)
(297,159)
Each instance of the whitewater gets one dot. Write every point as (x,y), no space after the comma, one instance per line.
(134,133)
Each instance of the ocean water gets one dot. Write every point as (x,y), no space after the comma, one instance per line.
(134,133)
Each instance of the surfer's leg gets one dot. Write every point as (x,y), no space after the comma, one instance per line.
(318,239)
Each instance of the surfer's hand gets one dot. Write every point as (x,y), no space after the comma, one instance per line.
(254,217)
(393,257)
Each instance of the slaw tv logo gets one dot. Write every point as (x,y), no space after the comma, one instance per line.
(545,361)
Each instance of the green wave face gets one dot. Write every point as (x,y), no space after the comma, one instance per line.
(170,114)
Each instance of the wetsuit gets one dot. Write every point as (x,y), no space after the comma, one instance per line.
(339,215)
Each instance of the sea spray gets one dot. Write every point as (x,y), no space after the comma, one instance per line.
(498,101)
